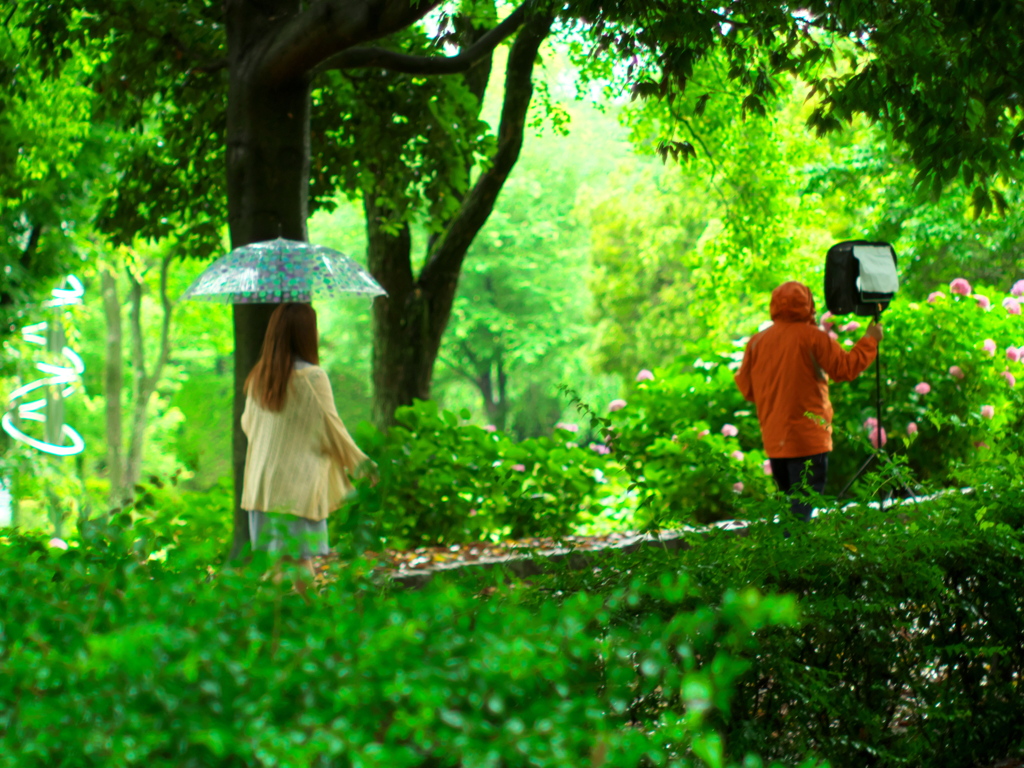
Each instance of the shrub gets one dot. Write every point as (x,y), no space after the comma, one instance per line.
(924,340)
(908,652)
(442,481)
(112,659)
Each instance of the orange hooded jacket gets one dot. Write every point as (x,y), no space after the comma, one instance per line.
(783,374)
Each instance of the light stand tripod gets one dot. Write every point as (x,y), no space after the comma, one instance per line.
(878,454)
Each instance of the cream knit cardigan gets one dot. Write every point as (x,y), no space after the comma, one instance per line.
(299,458)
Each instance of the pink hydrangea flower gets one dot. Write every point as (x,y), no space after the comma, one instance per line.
(1018,288)
(1011,305)
(490,428)
(983,301)
(833,335)
(600,449)
(645,375)
(616,405)
(1010,378)
(988,411)
(911,428)
(874,437)
(853,325)
(923,388)
(935,296)
(956,372)
(56,543)
(737,487)
(870,423)
(729,430)
(738,455)
(519,467)
(989,346)
(767,466)
(567,426)
(703,433)
(960,287)
(1013,354)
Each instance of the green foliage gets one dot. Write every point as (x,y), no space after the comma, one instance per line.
(924,340)
(518,327)
(113,658)
(657,435)
(907,652)
(443,481)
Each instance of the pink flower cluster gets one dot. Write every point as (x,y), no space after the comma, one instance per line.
(988,411)
(644,375)
(738,455)
(935,296)
(989,346)
(1011,305)
(1018,288)
(871,426)
(616,405)
(1013,354)
(960,287)
(567,426)
(600,449)
(923,388)
(956,371)
(729,430)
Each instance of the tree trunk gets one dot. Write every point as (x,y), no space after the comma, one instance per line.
(145,381)
(268,175)
(410,322)
(399,371)
(113,385)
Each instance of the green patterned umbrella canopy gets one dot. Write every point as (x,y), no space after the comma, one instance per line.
(278,271)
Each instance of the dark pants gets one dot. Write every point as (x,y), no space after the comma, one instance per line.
(790,474)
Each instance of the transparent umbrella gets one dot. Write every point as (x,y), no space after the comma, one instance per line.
(278,271)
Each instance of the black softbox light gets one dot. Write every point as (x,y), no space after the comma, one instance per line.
(860,277)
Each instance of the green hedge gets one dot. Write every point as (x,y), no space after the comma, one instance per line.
(444,481)
(109,660)
(909,651)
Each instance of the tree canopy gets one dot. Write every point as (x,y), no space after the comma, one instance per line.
(235,112)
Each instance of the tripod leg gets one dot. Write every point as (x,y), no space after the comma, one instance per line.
(863,468)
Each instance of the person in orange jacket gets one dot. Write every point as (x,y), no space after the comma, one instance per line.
(785,374)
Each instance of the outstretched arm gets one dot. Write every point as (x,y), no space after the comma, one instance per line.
(842,365)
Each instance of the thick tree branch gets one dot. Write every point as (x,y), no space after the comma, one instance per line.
(396,61)
(445,261)
(328,27)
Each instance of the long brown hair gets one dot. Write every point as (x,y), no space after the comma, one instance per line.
(291,333)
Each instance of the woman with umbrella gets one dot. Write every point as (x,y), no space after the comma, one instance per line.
(300,455)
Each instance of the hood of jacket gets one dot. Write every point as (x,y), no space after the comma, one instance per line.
(792,303)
